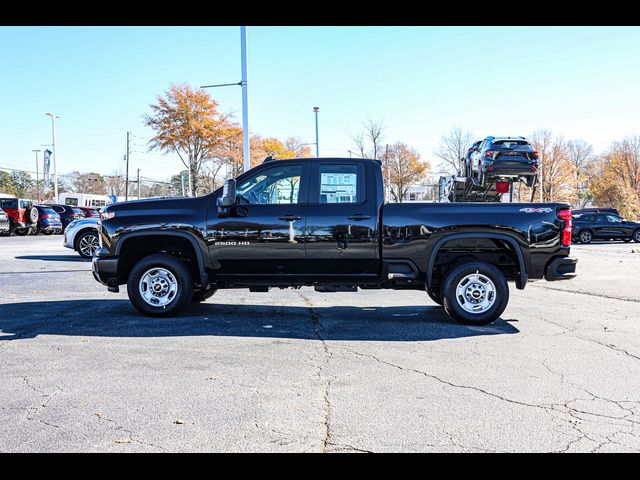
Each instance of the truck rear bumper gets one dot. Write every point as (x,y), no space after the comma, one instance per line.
(563,268)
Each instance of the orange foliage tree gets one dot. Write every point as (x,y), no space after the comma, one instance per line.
(187,122)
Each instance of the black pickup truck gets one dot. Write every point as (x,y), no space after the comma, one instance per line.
(324,223)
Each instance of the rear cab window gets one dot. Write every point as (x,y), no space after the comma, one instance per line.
(340,184)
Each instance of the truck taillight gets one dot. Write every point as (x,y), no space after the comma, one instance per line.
(565,215)
(489,153)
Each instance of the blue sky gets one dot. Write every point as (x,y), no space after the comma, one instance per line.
(577,81)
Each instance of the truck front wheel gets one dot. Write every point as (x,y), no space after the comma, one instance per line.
(475,293)
(435,296)
(160,285)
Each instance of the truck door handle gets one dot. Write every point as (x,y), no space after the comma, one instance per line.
(359,217)
(289,218)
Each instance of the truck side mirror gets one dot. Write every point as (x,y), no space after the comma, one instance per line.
(228,198)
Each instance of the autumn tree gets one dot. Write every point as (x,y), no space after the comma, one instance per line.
(7,185)
(555,169)
(187,122)
(403,168)
(452,148)
(615,181)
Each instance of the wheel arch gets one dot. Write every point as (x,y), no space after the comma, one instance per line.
(523,277)
(200,270)
(79,233)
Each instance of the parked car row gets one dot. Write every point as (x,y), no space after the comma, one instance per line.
(20,216)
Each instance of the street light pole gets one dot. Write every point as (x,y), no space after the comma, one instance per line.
(315,109)
(55,157)
(37,176)
(246,153)
(245,100)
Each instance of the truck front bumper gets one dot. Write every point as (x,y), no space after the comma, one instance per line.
(105,271)
(563,268)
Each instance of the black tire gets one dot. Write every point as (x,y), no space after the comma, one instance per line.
(201,297)
(86,243)
(435,296)
(636,236)
(182,277)
(47,232)
(500,293)
(585,236)
(21,231)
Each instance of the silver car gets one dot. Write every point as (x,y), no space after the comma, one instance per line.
(82,236)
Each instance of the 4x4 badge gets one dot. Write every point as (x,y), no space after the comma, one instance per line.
(536,210)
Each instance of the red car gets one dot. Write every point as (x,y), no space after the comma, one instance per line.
(23,216)
(90,211)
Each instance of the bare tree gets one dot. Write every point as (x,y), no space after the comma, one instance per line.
(452,149)
(359,141)
(372,134)
(580,153)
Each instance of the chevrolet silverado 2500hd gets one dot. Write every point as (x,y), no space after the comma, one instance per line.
(323,222)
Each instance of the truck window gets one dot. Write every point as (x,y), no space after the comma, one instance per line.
(275,185)
(339,184)
(71,201)
(8,203)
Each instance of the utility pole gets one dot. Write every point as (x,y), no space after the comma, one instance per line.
(315,109)
(37,176)
(245,100)
(386,162)
(540,177)
(246,153)
(138,184)
(126,177)
(182,182)
(55,157)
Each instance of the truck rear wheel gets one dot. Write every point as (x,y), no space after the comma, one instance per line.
(475,293)
(160,285)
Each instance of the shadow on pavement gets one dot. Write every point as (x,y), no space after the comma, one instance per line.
(117,318)
(54,258)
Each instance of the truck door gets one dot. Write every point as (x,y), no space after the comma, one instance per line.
(263,234)
(342,220)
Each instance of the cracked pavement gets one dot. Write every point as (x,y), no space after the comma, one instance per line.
(298,370)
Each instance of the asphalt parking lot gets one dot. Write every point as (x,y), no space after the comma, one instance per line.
(297,370)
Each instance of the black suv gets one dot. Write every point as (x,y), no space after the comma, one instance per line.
(67,213)
(604,226)
(503,157)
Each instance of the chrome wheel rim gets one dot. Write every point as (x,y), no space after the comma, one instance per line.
(88,245)
(476,293)
(637,237)
(585,237)
(158,287)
